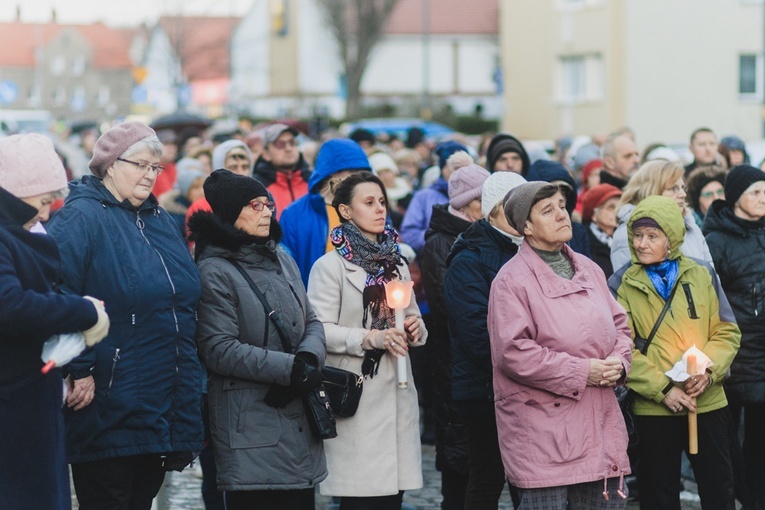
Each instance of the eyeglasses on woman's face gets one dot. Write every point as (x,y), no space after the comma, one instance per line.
(143,167)
(258,206)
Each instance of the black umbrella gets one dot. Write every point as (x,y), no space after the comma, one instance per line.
(180,120)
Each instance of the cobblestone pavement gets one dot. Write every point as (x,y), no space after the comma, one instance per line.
(181,491)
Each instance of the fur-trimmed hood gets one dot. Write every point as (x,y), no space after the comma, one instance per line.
(211,234)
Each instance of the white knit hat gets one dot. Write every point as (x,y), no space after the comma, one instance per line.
(29,166)
(496,187)
(380,161)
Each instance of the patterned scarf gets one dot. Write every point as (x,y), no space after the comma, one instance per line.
(663,275)
(380,260)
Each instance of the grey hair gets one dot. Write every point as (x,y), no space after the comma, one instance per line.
(150,143)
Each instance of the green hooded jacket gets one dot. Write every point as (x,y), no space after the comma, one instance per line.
(714,331)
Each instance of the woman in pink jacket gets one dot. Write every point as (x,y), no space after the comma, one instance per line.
(559,343)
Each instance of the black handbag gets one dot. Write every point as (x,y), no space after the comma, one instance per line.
(626,396)
(316,401)
(343,389)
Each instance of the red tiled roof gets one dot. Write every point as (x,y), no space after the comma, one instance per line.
(445,17)
(111,46)
(203,44)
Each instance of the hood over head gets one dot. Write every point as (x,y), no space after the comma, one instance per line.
(665,212)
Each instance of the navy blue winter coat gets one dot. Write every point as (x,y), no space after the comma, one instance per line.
(476,257)
(33,467)
(147,373)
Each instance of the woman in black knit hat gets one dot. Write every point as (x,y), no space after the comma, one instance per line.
(265,453)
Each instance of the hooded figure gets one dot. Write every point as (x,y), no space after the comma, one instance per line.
(501,144)
(699,316)
(553,172)
(307,221)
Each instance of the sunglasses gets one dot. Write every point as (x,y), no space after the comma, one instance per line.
(281,144)
(258,206)
(709,194)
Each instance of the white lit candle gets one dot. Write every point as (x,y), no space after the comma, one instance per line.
(398,295)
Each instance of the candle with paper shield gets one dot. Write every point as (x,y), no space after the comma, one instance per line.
(398,294)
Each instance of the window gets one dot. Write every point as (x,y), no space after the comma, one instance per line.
(750,76)
(34,97)
(59,95)
(57,65)
(580,78)
(102,98)
(78,65)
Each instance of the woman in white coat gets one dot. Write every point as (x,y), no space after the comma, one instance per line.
(376,456)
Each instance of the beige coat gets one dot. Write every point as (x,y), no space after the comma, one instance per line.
(376,451)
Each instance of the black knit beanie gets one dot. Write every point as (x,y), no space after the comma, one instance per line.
(228,193)
(738,180)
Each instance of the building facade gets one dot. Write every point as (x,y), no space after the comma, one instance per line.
(661,68)
(285,61)
(73,71)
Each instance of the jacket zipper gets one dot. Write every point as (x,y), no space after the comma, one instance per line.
(115,359)
(754,300)
(140,224)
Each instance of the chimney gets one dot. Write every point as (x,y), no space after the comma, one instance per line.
(18,13)
(53,15)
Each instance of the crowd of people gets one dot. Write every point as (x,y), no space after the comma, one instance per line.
(213,277)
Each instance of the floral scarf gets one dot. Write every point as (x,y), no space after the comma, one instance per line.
(380,260)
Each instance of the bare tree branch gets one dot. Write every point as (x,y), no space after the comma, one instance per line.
(357,26)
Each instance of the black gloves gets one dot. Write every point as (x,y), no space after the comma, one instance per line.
(305,376)
(305,373)
(177,461)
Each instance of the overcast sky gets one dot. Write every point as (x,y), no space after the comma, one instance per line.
(118,12)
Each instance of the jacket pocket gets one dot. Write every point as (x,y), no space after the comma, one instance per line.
(250,422)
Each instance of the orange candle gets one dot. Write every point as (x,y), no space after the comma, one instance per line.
(693,427)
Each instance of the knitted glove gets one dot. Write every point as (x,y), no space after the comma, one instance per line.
(101,328)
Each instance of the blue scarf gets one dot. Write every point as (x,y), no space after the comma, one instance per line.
(663,276)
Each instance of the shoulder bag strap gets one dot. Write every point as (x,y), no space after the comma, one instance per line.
(270,312)
(660,319)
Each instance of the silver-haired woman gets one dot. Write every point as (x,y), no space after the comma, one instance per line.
(135,410)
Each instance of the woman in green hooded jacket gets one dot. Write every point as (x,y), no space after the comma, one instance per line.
(698,315)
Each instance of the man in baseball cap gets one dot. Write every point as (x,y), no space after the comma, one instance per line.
(281,167)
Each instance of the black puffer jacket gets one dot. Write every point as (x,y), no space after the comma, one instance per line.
(451,438)
(473,263)
(738,251)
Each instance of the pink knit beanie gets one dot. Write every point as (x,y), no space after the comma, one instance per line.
(466,185)
(114,143)
(29,166)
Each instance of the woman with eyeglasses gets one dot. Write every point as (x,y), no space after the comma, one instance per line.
(735,230)
(259,367)
(705,185)
(657,177)
(135,409)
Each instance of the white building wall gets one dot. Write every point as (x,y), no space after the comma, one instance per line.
(683,67)
(163,73)
(319,64)
(250,65)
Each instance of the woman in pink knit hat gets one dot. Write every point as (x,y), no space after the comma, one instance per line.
(33,471)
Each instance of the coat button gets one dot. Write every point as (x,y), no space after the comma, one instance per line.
(231,383)
(614,468)
(557,404)
(576,393)
(278,271)
(294,324)
(300,429)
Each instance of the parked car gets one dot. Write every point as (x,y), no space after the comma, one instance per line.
(398,126)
